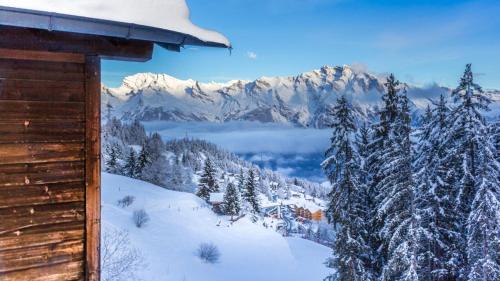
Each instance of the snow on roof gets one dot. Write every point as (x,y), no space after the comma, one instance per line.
(216,197)
(130,17)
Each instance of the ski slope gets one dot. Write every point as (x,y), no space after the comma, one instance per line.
(181,221)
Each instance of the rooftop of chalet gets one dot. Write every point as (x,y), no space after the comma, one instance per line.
(165,22)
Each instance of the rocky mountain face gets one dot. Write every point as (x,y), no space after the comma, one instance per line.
(302,100)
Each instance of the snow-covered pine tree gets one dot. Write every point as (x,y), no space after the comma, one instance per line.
(438,235)
(475,180)
(250,192)
(395,202)
(109,109)
(363,148)
(155,146)
(468,154)
(241,181)
(177,178)
(134,133)
(208,182)
(483,224)
(346,202)
(495,137)
(112,163)
(379,139)
(232,201)
(142,161)
(131,164)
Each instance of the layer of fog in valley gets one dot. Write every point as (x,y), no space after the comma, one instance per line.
(292,151)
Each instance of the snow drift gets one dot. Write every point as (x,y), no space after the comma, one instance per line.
(180,222)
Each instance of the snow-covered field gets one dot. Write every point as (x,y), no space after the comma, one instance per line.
(181,221)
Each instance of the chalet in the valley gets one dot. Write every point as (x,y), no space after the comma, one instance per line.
(304,213)
(50,77)
(216,200)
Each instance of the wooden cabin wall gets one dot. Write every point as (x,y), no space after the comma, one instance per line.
(43,167)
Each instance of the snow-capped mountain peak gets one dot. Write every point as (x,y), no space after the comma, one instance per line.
(302,100)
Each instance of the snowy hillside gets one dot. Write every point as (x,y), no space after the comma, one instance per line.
(179,222)
(302,100)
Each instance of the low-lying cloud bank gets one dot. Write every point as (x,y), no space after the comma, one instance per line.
(247,137)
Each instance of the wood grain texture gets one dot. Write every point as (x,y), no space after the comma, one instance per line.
(42,165)
(39,131)
(41,56)
(41,153)
(38,70)
(26,174)
(53,41)
(41,110)
(21,218)
(42,255)
(67,271)
(41,90)
(39,236)
(93,168)
(33,195)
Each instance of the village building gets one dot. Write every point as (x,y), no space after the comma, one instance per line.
(216,199)
(50,81)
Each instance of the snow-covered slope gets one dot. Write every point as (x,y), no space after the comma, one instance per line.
(301,100)
(181,221)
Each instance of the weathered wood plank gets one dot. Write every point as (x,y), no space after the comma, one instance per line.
(22,218)
(36,70)
(41,56)
(19,131)
(32,195)
(53,41)
(41,90)
(41,153)
(41,173)
(68,271)
(39,256)
(93,168)
(38,110)
(43,236)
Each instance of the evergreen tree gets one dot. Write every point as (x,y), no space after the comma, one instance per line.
(155,172)
(231,201)
(178,178)
(495,137)
(363,148)
(131,164)
(379,141)
(439,232)
(142,162)
(250,194)
(397,205)
(112,163)
(109,109)
(469,154)
(483,224)
(155,146)
(475,180)
(346,201)
(208,182)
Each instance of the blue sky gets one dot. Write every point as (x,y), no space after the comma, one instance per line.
(420,41)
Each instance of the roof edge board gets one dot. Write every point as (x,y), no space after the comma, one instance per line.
(68,23)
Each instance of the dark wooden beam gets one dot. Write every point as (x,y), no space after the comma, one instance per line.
(65,42)
(93,168)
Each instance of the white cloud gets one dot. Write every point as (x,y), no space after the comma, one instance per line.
(251,55)
(248,137)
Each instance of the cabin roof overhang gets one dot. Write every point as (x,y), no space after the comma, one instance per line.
(170,40)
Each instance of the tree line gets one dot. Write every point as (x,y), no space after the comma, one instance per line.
(232,204)
(416,204)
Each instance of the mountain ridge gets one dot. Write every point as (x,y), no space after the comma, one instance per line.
(303,100)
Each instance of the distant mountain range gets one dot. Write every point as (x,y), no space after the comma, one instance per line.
(303,100)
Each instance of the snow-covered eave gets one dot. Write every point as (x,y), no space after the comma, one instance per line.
(171,40)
